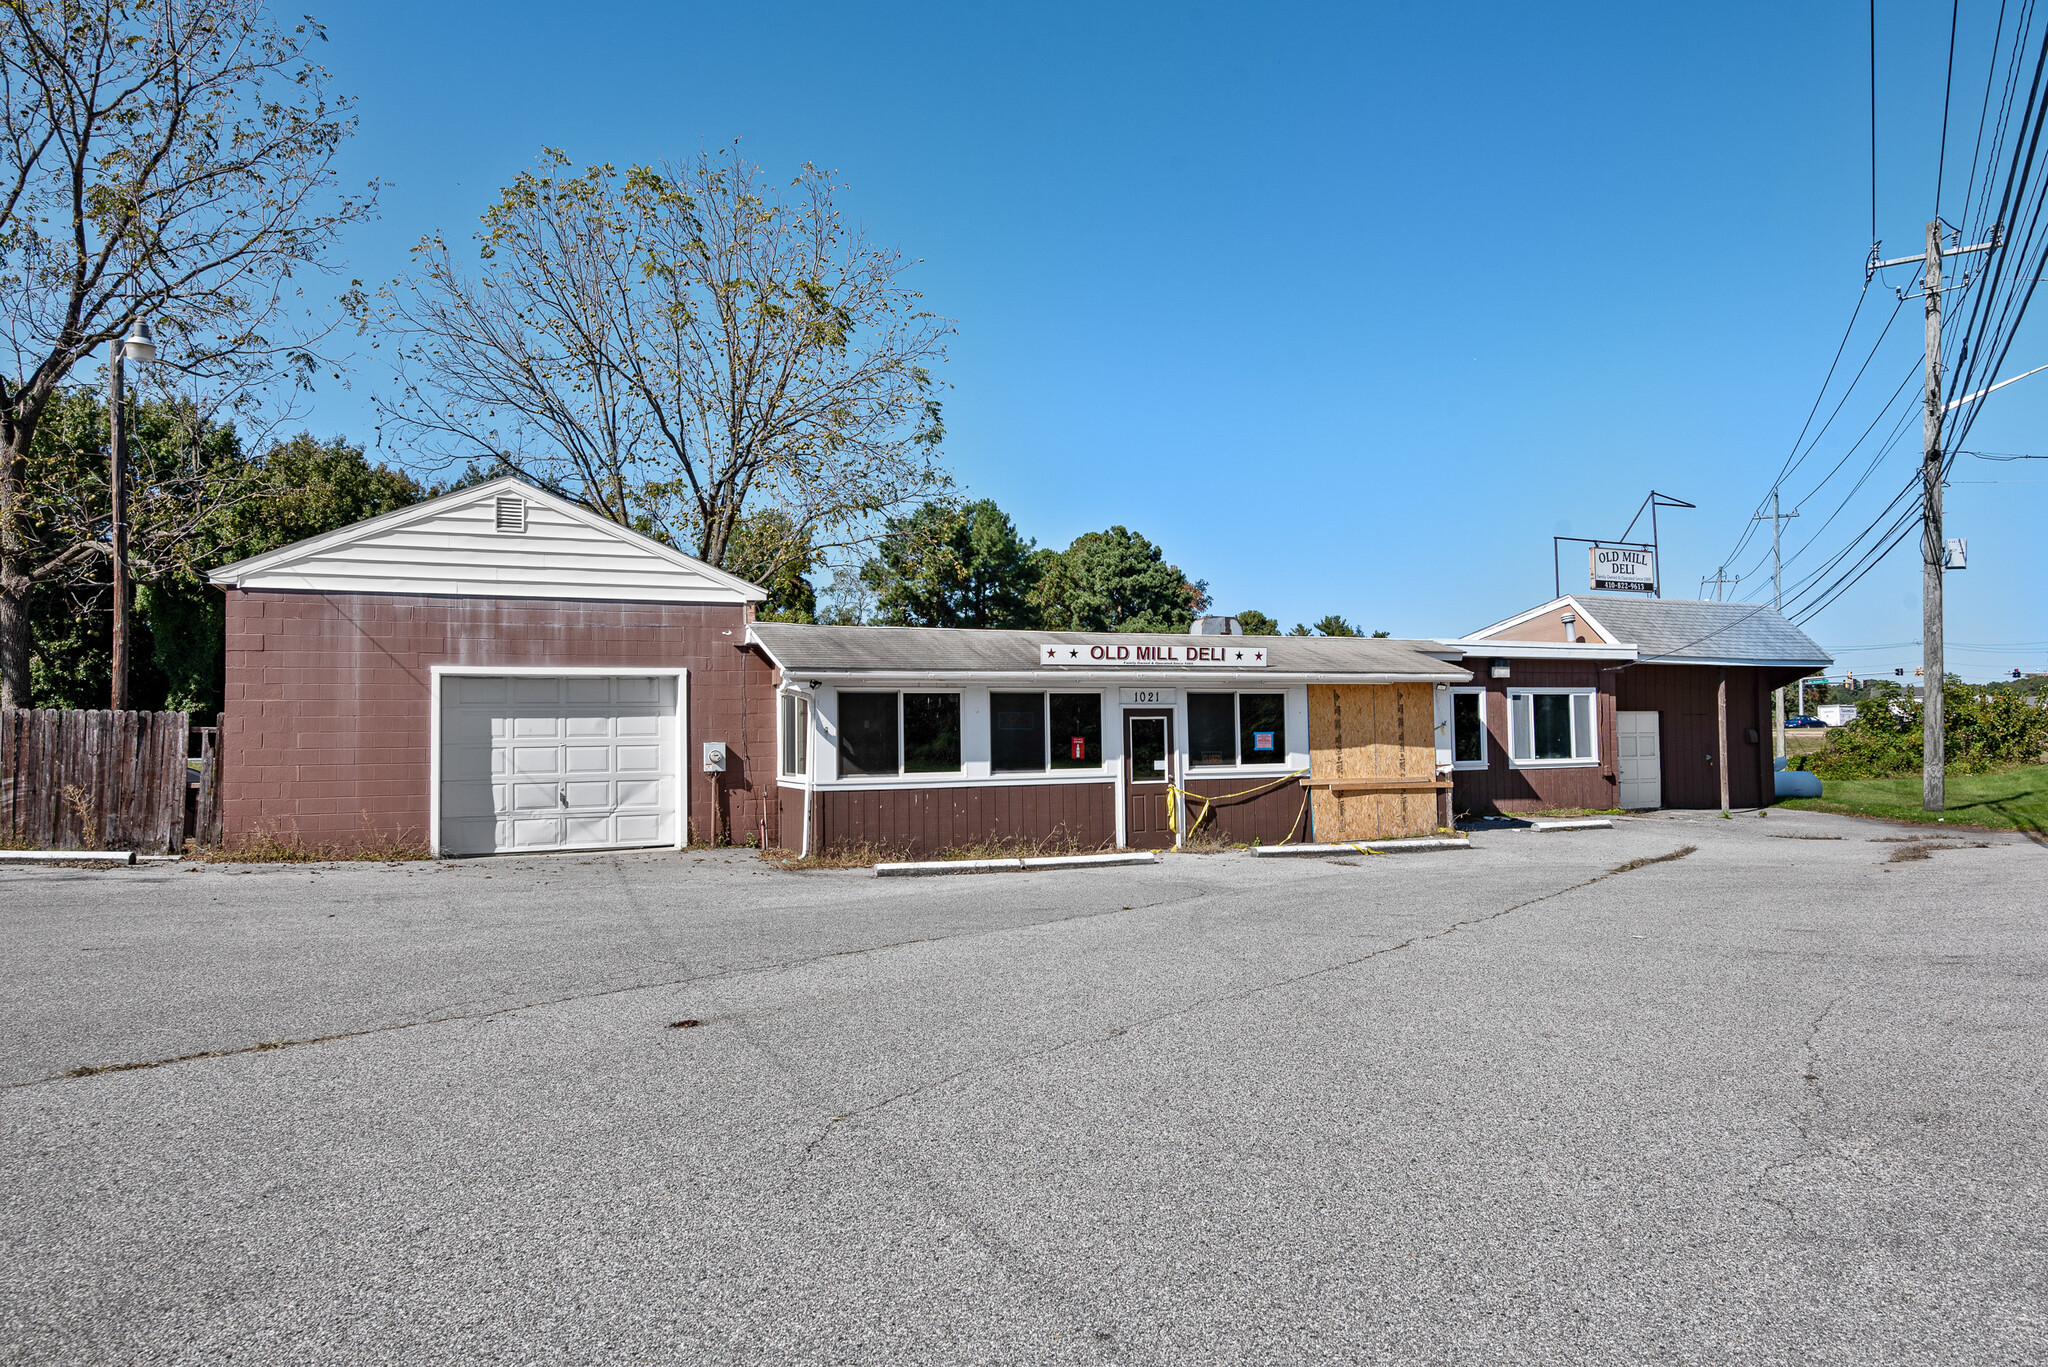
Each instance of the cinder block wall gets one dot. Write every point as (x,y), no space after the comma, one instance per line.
(329,696)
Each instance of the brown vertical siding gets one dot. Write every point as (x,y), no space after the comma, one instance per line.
(928,820)
(1266,818)
(1683,696)
(1500,787)
(329,694)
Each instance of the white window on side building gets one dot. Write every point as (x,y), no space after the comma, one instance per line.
(1552,727)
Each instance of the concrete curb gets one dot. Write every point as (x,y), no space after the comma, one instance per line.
(1421,845)
(67,856)
(1591,823)
(933,867)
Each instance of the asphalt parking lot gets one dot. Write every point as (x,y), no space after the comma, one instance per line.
(1779,1100)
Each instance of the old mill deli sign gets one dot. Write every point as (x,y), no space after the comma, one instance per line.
(1191,654)
(1626,569)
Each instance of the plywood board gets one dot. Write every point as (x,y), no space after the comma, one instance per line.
(1359,731)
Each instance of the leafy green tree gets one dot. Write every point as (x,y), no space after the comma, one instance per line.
(1333,625)
(768,548)
(197,503)
(1115,580)
(171,162)
(1256,623)
(950,565)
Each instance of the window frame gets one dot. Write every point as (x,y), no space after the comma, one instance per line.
(793,735)
(1485,760)
(902,739)
(1589,761)
(1280,760)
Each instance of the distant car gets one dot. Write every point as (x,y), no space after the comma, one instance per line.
(1791,722)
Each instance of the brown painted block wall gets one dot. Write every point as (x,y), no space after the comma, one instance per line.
(329,698)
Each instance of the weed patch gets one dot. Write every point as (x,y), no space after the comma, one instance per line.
(1681,852)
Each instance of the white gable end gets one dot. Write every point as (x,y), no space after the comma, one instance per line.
(460,545)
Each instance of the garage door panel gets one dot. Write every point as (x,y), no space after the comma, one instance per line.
(536,759)
(589,794)
(639,759)
(536,833)
(647,829)
(463,689)
(534,763)
(639,792)
(547,691)
(536,797)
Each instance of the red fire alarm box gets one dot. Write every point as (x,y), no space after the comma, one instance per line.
(1080,747)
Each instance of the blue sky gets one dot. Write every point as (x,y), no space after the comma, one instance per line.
(1350,308)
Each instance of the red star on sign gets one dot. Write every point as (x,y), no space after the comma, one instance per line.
(1051,654)
(1258,654)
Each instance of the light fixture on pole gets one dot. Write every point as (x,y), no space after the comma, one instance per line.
(138,345)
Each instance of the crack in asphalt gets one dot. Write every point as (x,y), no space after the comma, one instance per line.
(453,1017)
(1814,1100)
(833,1122)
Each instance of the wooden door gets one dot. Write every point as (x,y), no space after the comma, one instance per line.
(1148,774)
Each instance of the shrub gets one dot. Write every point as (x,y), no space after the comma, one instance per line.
(1983,731)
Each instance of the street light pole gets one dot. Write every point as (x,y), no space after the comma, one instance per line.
(141,345)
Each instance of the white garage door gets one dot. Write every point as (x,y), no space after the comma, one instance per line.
(557,763)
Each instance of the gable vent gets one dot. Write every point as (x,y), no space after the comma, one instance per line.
(511,513)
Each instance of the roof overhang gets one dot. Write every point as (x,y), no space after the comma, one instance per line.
(1540,650)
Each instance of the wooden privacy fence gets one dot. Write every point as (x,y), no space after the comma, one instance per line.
(94,780)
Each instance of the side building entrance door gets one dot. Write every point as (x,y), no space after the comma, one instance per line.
(1641,777)
(1148,774)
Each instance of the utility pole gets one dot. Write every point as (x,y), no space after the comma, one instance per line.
(1933,763)
(1933,744)
(1718,579)
(1777,521)
(117,480)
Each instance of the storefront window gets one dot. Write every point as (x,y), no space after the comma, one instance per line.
(931,733)
(1261,728)
(1237,728)
(1212,728)
(867,733)
(1076,730)
(1017,732)
(796,722)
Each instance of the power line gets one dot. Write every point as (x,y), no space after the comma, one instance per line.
(1941,157)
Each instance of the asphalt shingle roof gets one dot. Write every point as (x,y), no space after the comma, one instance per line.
(1708,633)
(918,650)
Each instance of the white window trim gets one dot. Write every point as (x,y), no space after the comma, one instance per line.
(1485,760)
(803,698)
(1255,769)
(1593,721)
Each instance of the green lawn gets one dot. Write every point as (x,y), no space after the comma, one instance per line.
(2015,800)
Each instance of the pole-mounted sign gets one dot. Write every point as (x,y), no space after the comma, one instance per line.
(1622,569)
